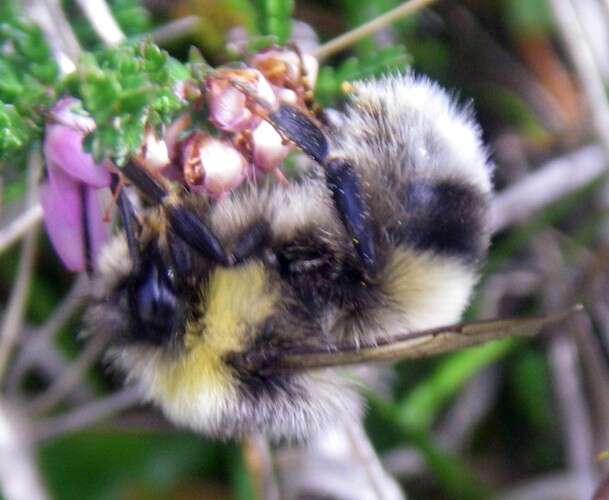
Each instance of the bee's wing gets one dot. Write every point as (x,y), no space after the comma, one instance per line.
(414,344)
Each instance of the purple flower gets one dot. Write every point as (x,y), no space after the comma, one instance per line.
(68,194)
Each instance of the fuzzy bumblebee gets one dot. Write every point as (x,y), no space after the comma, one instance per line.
(242,316)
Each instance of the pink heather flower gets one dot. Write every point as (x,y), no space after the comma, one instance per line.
(68,194)
(212,165)
(268,147)
(283,67)
(230,109)
(155,153)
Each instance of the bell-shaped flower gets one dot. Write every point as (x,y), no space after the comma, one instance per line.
(230,109)
(68,194)
(268,147)
(155,152)
(211,165)
(284,67)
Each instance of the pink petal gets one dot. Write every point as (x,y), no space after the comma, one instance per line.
(97,228)
(227,107)
(279,65)
(63,114)
(63,149)
(62,212)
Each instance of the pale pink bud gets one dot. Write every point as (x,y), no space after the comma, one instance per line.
(311,66)
(268,147)
(286,95)
(230,109)
(227,108)
(154,152)
(281,66)
(224,166)
(212,165)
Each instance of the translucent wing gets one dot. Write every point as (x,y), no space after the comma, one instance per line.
(411,345)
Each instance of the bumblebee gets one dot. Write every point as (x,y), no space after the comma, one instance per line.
(245,315)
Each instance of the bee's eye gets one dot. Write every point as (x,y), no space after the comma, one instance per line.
(153,304)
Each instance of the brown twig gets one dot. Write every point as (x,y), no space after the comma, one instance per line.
(13,317)
(102,21)
(70,377)
(86,415)
(49,15)
(19,226)
(574,36)
(347,39)
(40,342)
(19,478)
(549,183)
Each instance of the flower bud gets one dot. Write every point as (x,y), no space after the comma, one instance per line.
(311,66)
(230,109)
(280,66)
(268,147)
(212,165)
(155,155)
(283,67)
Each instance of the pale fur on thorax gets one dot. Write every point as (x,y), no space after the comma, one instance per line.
(417,128)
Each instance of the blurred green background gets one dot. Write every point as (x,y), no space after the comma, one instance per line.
(505,56)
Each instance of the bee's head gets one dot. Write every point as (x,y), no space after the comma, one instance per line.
(178,321)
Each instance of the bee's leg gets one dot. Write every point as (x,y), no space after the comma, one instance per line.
(253,240)
(130,224)
(302,131)
(351,206)
(185,223)
(340,178)
(194,232)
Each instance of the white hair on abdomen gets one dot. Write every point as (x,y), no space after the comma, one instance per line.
(414,124)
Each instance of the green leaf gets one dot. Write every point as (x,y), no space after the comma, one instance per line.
(126,89)
(528,15)
(275,18)
(26,85)
(328,86)
(112,464)
(423,404)
(454,477)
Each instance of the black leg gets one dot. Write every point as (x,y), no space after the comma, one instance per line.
(86,237)
(340,178)
(351,206)
(130,224)
(253,240)
(185,223)
(193,231)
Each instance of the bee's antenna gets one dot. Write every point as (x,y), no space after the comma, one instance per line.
(341,179)
(184,222)
(130,222)
(144,182)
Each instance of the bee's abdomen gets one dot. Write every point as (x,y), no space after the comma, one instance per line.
(445,216)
